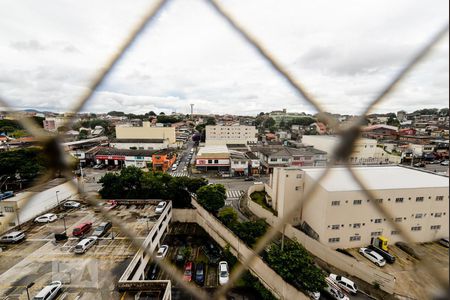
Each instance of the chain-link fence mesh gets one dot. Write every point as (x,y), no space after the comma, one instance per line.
(60,163)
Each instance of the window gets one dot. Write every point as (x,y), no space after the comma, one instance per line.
(335,227)
(273,159)
(419,216)
(355,238)
(436,215)
(435,227)
(285,159)
(9,209)
(357,202)
(419,199)
(398,220)
(379,200)
(299,175)
(357,225)
(334,240)
(209,161)
(395,232)
(439,198)
(298,188)
(375,233)
(398,200)
(416,228)
(216,161)
(335,203)
(377,221)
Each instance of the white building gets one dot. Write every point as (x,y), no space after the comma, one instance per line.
(235,134)
(213,158)
(365,151)
(140,144)
(146,132)
(340,215)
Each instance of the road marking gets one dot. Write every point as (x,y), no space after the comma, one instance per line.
(180,174)
(234,194)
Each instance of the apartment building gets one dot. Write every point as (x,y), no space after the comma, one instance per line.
(146,132)
(53,123)
(234,134)
(340,215)
(366,151)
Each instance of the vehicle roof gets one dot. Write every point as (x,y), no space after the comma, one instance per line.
(374,253)
(103,223)
(85,241)
(44,291)
(82,224)
(13,233)
(47,215)
(343,278)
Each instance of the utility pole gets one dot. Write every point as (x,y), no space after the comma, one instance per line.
(192,111)
(57,199)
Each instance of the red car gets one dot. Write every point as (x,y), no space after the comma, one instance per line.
(82,229)
(110,204)
(187,276)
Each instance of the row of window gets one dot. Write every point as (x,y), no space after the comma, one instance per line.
(355,238)
(397,200)
(379,221)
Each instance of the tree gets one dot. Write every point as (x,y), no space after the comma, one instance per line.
(212,197)
(228,216)
(111,186)
(303,121)
(83,135)
(250,231)
(295,265)
(270,122)
(152,113)
(393,121)
(282,124)
(116,113)
(210,121)
(443,112)
(162,114)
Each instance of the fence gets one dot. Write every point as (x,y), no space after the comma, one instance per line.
(348,137)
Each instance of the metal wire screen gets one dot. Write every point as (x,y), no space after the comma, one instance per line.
(342,153)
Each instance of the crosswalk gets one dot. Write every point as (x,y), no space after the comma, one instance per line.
(180,174)
(234,194)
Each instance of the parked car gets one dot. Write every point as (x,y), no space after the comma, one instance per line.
(102,229)
(82,229)
(6,195)
(373,256)
(71,204)
(419,165)
(179,258)
(314,295)
(174,167)
(223,272)
(162,252)
(49,292)
(386,255)
(444,163)
(200,274)
(188,268)
(12,237)
(154,270)
(47,218)
(85,244)
(444,242)
(108,205)
(334,291)
(160,207)
(250,178)
(344,283)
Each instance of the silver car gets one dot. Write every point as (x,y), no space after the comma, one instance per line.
(49,292)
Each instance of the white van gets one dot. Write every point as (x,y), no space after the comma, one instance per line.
(334,291)
(85,244)
(12,237)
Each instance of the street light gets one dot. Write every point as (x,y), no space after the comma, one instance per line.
(57,199)
(27,287)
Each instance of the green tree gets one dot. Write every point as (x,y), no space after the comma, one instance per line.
(212,197)
(250,231)
(111,186)
(283,124)
(152,113)
(116,113)
(270,122)
(295,264)
(27,162)
(228,216)
(393,121)
(210,121)
(83,135)
(443,112)
(303,121)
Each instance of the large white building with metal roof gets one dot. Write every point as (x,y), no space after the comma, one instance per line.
(340,214)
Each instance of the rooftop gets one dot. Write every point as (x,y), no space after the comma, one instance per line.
(378,178)
(152,141)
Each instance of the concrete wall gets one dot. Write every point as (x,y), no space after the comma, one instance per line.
(351,266)
(223,236)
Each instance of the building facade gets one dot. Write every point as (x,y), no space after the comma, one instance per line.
(340,215)
(146,132)
(235,134)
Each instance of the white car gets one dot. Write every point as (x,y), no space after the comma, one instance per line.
(71,204)
(373,256)
(223,272)
(162,252)
(334,291)
(174,167)
(314,295)
(85,244)
(47,218)
(344,283)
(160,207)
(49,292)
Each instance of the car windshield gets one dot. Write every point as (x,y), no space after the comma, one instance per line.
(223,273)
(160,251)
(78,247)
(160,205)
(187,272)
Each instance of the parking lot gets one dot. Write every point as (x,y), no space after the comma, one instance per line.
(411,279)
(92,275)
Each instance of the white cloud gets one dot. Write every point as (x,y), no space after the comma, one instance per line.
(342,51)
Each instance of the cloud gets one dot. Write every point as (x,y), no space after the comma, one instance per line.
(343,53)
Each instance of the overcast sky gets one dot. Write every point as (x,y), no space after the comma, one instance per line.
(342,51)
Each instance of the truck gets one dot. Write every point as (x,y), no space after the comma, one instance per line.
(379,245)
(6,195)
